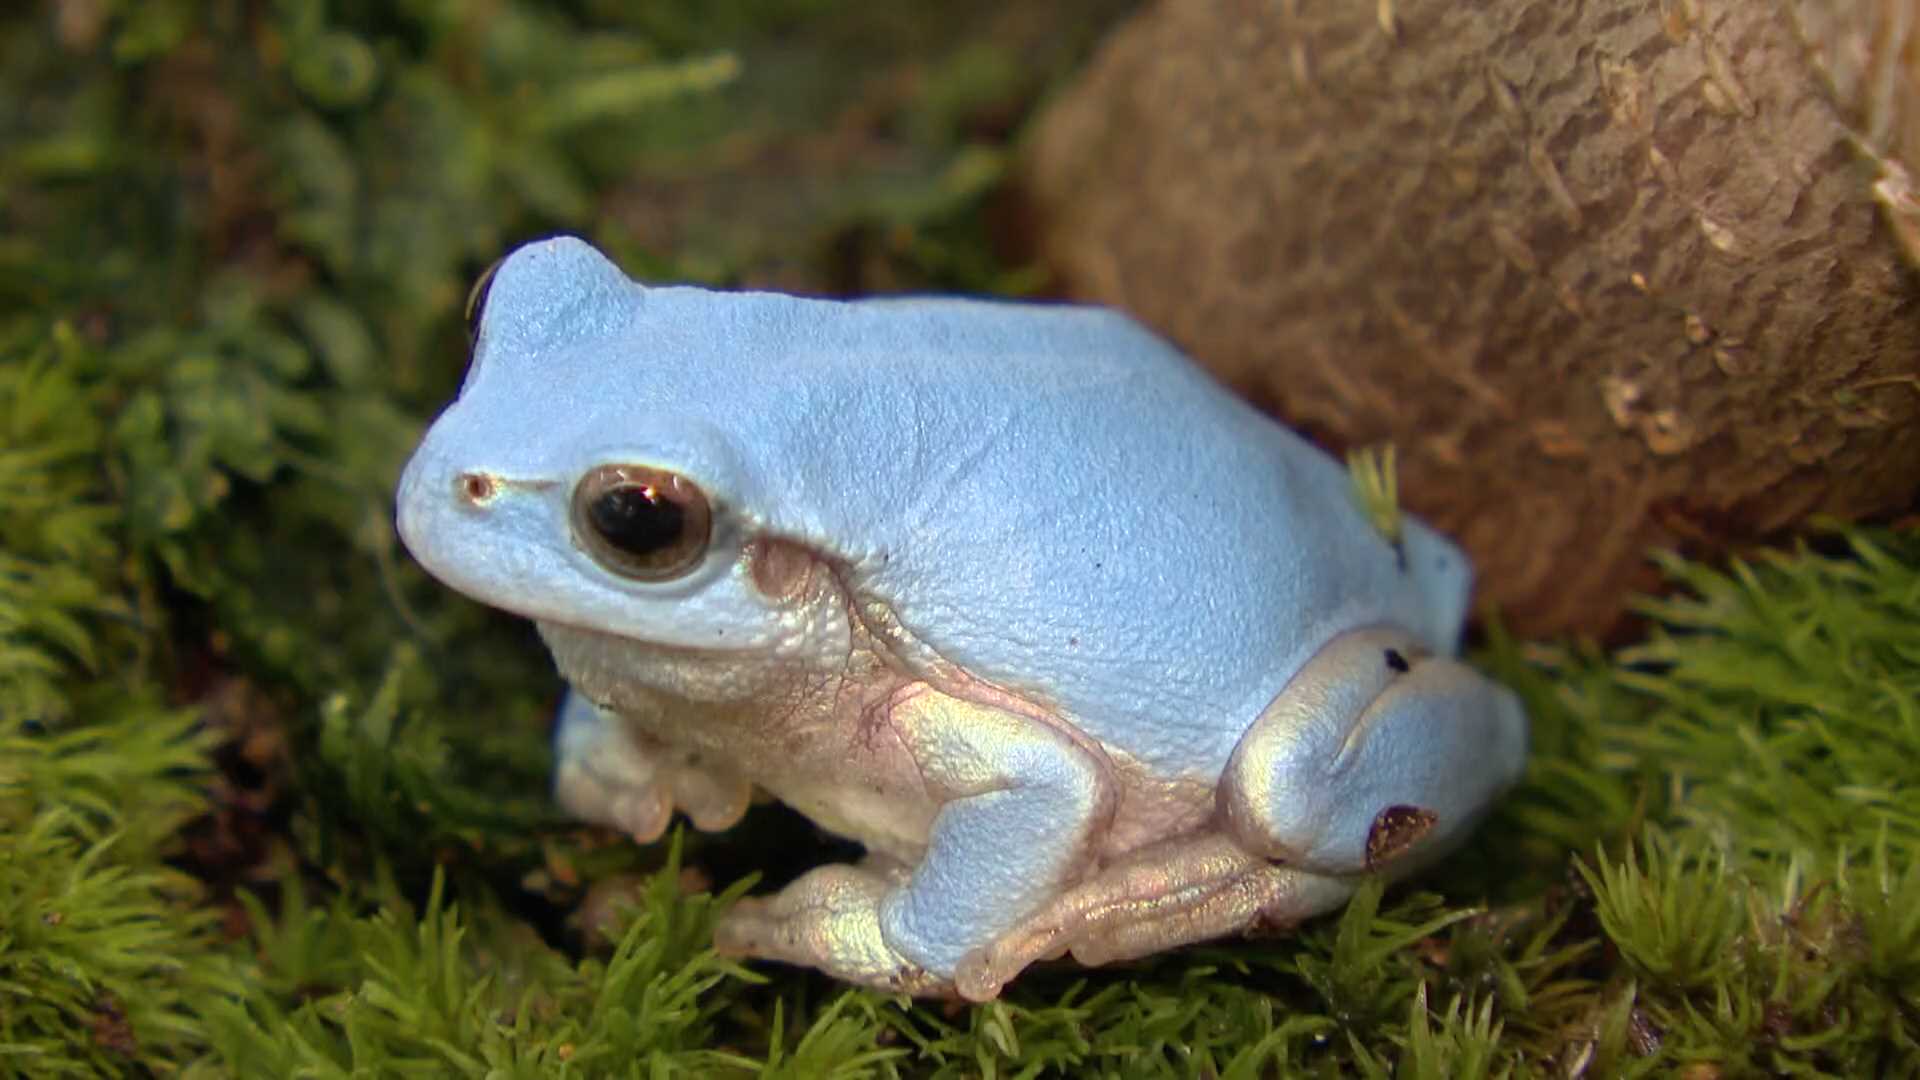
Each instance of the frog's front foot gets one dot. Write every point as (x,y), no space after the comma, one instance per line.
(1376,756)
(828,919)
(606,775)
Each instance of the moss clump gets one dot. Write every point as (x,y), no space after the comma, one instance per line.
(271,803)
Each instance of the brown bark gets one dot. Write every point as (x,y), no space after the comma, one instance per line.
(1868,53)
(1610,274)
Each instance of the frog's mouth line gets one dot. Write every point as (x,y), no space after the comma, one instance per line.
(873,632)
(601,639)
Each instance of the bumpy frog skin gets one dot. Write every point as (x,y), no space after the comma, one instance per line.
(1092,657)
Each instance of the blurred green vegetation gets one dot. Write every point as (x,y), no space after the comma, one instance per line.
(273,803)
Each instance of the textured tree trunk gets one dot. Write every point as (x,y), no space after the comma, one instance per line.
(1610,274)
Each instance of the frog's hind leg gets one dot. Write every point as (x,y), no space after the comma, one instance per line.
(1377,755)
(607,773)
(1188,889)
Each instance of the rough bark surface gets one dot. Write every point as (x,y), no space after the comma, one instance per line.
(1869,53)
(1610,274)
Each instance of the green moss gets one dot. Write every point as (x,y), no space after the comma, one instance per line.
(405,990)
(105,952)
(272,803)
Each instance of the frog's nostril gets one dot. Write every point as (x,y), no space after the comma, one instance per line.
(477,488)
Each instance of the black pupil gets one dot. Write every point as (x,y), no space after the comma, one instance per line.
(637,520)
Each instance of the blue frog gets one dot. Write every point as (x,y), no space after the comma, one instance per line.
(1090,655)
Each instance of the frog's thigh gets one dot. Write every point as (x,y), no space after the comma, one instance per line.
(1019,803)
(1377,755)
(605,774)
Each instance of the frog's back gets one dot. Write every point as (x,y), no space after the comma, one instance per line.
(1058,502)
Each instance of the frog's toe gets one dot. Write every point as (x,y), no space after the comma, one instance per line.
(714,801)
(829,919)
(1048,935)
(642,813)
(603,776)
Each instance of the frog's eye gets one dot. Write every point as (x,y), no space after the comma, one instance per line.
(639,522)
(477,299)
